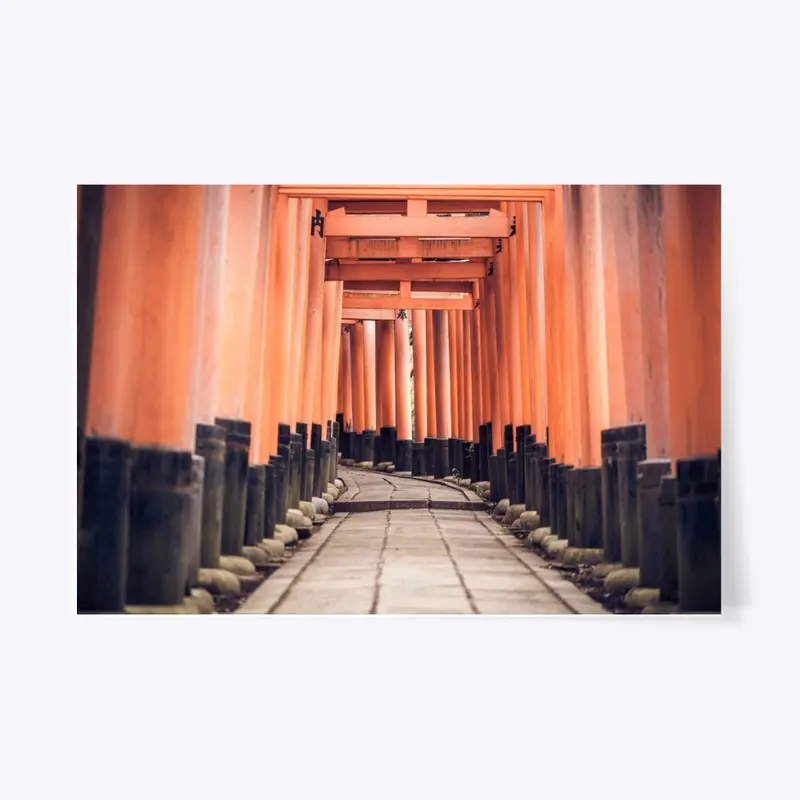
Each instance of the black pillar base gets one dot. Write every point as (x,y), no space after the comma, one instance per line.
(442,463)
(210,445)
(588,507)
(699,536)
(103,535)
(237,451)
(254,519)
(159,514)
(403,461)
(649,490)
(418,459)
(430,455)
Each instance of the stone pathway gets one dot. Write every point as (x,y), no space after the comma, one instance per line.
(425,560)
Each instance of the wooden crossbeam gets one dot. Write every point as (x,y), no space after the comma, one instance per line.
(388,271)
(441,302)
(457,287)
(399,206)
(405,192)
(351,315)
(338,225)
(409,248)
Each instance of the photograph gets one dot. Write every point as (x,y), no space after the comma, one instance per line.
(399,399)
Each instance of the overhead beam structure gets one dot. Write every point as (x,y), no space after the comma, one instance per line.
(385,226)
(392,271)
(406,192)
(405,247)
(435,302)
(400,206)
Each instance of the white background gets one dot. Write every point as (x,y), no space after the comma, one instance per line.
(435,92)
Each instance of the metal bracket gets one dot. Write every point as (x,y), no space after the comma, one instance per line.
(513,227)
(318,222)
(490,271)
(347,329)
(360,322)
(499,246)
(477,303)
(401,314)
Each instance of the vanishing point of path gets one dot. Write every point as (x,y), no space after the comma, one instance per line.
(442,556)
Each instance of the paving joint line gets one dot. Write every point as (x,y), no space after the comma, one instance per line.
(470,599)
(527,566)
(374,607)
(285,593)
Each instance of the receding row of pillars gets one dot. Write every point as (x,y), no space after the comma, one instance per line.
(204,323)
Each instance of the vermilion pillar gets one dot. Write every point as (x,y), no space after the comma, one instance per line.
(239,300)
(402,355)
(142,353)
(537,315)
(385,373)
(452,346)
(346,378)
(331,342)
(314,365)
(359,381)
(260,358)
(444,425)
(370,406)
(419,332)
(468,386)
(692,245)
(430,363)
(491,336)
(513,288)
(480,372)
(300,263)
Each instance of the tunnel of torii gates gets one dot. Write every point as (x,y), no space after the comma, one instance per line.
(561,342)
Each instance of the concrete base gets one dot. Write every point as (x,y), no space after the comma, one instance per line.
(286,534)
(530,520)
(514,513)
(273,548)
(320,506)
(622,580)
(540,534)
(603,570)
(238,565)
(382,466)
(555,547)
(328,498)
(256,555)
(501,509)
(308,509)
(203,600)
(188,606)
(294,518)
(642,597)
(339,483)
(581,556)
(218,581)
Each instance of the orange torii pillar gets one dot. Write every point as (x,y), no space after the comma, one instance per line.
(370,385)
(402,355)
(419,332)
(490,329)
(300,264)
(444,422)
(512,291)
(519,260)
(692,252)
(453,347)
(318,366)
(385,374)
(358,374)
(346,378)
(536,314)
(430,365)
(468,384)
(140,394)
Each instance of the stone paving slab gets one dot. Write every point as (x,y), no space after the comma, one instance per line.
(414,561)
